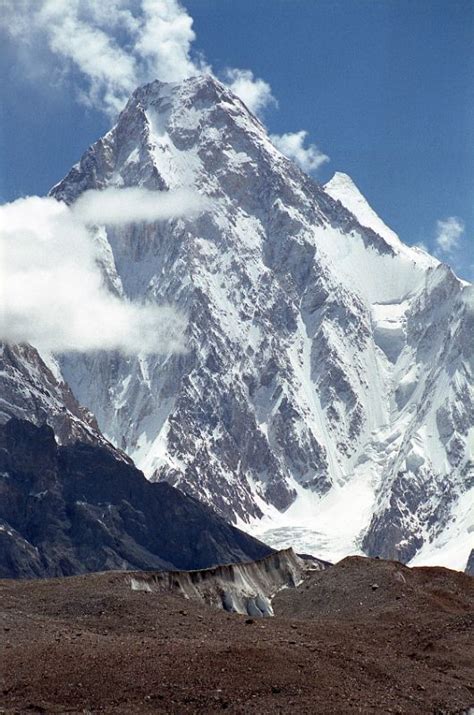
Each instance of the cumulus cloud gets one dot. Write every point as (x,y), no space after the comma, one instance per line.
(292,145)
(117,45)
(81,34)
(253,91)
(53,292)
(449,231)
(164,42)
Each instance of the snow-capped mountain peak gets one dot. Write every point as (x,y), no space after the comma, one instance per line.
(342,188)
(326,386)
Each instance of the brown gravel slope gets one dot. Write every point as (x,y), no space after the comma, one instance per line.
(89,644)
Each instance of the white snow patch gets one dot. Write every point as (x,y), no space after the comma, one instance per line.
(329,527)
(342,188)
(453,546)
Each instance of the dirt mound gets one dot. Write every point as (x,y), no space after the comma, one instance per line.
(90,644)
(357,587)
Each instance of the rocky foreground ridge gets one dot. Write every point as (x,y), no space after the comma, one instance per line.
(78,508)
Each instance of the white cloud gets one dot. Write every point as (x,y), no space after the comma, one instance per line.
(448,234)
(117,206)
(117,45)
(76,31)
(291,144)
(422,246)
(53,293)
(254,92)
(164,42)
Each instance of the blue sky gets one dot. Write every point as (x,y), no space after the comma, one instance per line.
(384,88)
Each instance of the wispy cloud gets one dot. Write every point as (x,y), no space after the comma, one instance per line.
(292,144)
(113,46)
(53,292)
(82,36)
(449,232)
(254,92)
(117,45)
(422,246)
(117,206)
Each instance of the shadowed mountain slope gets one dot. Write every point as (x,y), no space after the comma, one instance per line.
(78,508)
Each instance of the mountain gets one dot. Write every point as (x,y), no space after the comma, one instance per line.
(342,188)
(325,400)
(78,508)
(32,388)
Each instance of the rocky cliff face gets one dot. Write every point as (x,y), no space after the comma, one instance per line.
(325,398)
(33,390)
(78,508)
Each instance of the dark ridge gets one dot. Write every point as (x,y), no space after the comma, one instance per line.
(79,508)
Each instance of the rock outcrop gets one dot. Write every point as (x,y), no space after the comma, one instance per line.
(78,508)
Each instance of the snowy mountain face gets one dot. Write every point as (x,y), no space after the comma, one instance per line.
(342,188)
(31,389)
(325,398)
